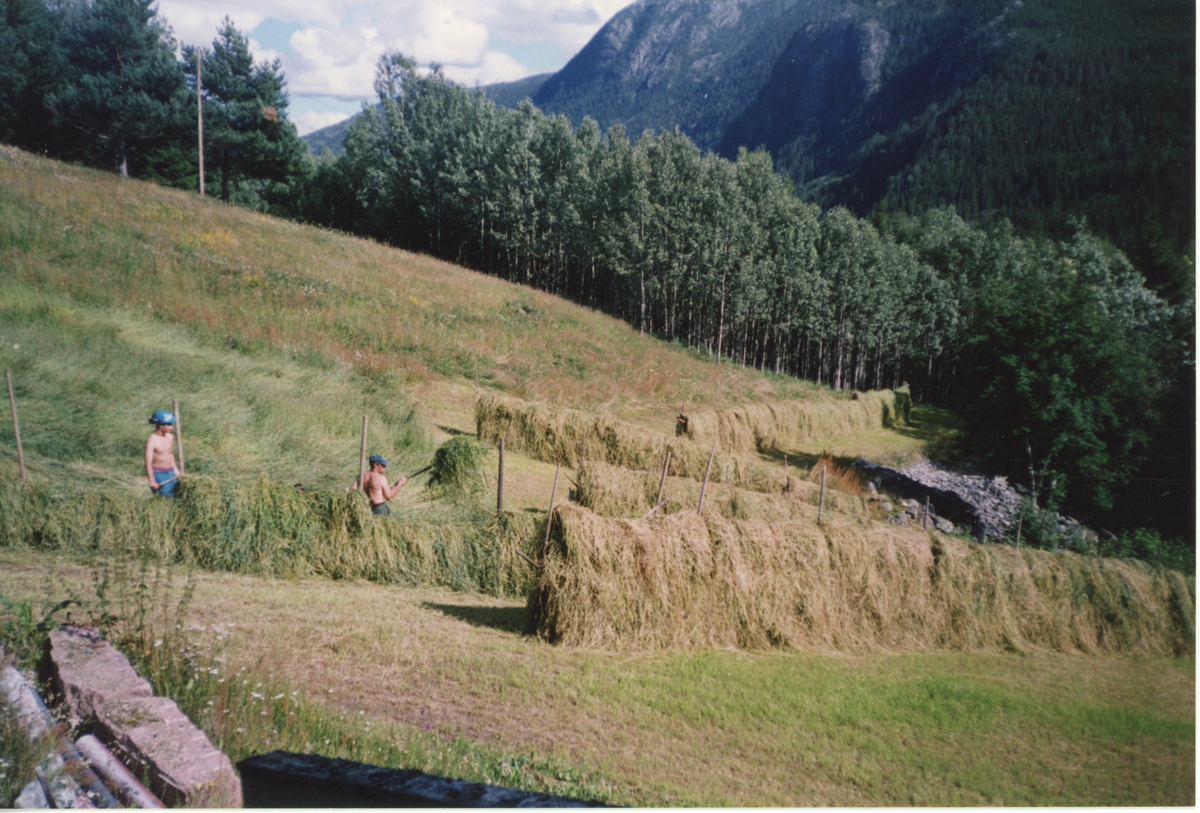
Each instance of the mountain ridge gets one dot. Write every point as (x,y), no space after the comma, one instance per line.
(1037,113)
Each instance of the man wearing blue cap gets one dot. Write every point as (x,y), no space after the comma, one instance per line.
(161,471)
(376,486)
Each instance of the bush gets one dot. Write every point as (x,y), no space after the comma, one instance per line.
(1149,546)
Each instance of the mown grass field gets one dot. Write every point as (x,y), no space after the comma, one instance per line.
(712,728)
(118,297)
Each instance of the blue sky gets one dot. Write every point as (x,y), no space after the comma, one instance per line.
(329,48)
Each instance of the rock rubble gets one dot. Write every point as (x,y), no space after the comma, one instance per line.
(996,504)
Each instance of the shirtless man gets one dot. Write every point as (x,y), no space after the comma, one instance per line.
(377,488)
(160,455)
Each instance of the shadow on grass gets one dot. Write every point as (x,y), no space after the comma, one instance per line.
(940,432)
(450,430)
(505,619)
(800,461)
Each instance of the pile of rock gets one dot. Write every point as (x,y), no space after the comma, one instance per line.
(996,504)
(988,506)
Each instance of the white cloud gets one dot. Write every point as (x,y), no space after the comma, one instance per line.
(334,62)
(262,54)
(336,50)
(493,67)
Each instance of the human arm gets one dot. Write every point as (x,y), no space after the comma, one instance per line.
(150,461)
(390,491)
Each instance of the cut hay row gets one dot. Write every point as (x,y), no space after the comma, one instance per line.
(573,437)
(615,492)
(264,528)
(691,581)
(787,424)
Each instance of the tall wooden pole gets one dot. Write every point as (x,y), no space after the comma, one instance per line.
(711,455)
(12,402)
(500,481)
(362,458)
(925,518)
(178,433)
(200,119)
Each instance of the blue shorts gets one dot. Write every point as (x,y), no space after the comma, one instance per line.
(161,475)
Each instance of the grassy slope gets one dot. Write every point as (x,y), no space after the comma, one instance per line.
(116,297)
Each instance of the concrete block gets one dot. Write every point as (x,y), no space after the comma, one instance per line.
(283,779)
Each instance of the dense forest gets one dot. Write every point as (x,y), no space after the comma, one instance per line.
(1076,376)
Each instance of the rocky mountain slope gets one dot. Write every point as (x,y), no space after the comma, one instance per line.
(1037,112)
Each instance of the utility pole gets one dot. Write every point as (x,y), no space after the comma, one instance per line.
(200,118)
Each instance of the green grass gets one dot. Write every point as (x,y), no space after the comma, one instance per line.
(447,683)
(86,382)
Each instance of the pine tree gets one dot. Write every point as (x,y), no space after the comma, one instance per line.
(246,130)
(122,81)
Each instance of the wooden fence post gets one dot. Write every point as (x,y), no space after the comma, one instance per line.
(925,518)
(500,481)
(550,510)
(700,507)
(362,458)
(662,480)
(12,402)
(821,502)
(178,434)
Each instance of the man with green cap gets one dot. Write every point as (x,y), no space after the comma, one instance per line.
(375,484)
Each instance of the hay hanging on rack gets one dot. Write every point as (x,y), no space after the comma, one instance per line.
(691,581)
(616,492)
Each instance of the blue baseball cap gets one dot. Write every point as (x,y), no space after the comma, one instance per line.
(378,458)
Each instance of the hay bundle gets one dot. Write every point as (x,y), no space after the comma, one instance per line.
(457,471)
(787,424)
(686,580)
(615,492)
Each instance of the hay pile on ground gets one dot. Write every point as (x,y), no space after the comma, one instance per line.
(692,581)
(265,528)
(615,492)
(788,424)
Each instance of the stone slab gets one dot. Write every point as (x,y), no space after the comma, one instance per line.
(163,747)
(284,779)
(88,671)
(150,735)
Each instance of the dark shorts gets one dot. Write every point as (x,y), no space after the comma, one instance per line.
(169,489)
(381,509)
